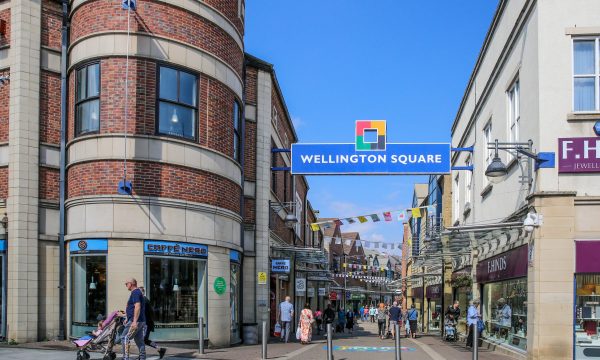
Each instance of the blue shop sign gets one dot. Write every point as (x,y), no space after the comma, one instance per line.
(2,245)
(170,248)
(345,159)
(86,246)
(280,266)
(235,256)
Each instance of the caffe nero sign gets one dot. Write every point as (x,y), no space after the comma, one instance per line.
(509,265)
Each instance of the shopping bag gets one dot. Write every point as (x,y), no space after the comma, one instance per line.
(298,333)
(480,325)
(277,331)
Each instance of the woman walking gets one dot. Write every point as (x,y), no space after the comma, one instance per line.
(306,321)
(350,320)
(382,316)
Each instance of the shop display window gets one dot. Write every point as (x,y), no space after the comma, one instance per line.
(587,316)
(435,314)
(505,312)
(175,290)
(234,302)
(88,292)
(464,297)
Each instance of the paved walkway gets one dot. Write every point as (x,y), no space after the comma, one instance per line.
(363,344)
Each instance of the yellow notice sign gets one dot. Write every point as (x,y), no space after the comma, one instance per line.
(262,278)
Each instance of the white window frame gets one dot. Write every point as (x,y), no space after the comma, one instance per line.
(241,9)
(488,154)
(596,75)
(456,196)
(468,182)
(513,96)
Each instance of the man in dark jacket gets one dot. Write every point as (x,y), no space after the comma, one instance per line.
(149,312)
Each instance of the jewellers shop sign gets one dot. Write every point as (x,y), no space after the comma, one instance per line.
(579,155)
(508,265)
(370,154)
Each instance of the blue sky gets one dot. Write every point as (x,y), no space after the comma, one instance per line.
(337,61)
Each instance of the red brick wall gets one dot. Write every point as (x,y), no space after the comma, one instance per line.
(153,179)
(49,183)
(4,101)
(5,19)
(216,125)
(49,108)
(158,19)
(283,124)
(229,8)
(249,210)
(251,88)
(4,182)
(51,24)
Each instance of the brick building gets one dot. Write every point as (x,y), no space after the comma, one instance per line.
(155,94)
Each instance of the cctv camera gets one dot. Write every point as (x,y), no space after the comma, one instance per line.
(530,222)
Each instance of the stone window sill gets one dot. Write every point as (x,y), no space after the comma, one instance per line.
(584,116)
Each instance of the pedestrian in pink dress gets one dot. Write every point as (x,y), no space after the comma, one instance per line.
(306,322)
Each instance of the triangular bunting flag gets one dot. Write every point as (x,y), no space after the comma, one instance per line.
(362,219)
(402,216)
(374,217)
(416,212)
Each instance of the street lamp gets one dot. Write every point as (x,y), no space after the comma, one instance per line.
(497,170)
(290,220)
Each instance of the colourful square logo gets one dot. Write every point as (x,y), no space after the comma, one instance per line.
(370,135)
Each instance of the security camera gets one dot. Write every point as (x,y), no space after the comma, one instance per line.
(531,222)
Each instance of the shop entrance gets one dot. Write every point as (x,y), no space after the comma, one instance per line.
(89,292)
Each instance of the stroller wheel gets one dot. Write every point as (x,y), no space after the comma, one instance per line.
(86,355)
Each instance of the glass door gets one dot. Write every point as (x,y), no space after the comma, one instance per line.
(88,296)
(234,302)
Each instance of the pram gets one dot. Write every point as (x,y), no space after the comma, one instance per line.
(100,341)
(450,333)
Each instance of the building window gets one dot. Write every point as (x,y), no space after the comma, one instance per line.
(514,113)
(241,9)
(88,281)
(177,103)
(237,131)
(586,75)
(87,106)
(456,195)
(468,182)
(274,116)
(488,154)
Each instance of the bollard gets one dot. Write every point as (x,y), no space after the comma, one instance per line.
(265,338)
(329,342)
(397,341)
(200,335)
(475,342)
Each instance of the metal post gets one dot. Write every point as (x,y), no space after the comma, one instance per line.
(475,342)
(329,342)
(265,337)
(200,335)
(397,341)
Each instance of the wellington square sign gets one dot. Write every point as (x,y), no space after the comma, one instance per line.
(371,154)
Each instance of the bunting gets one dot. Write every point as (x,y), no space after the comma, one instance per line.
(387,216)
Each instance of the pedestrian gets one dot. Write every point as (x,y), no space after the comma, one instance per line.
(395,316)
(135,325)
(286,312)
(341,320)
(329,315)
(361,311)
(365,314)
(306,322)
(372,312)
(381,320)
(319,319)
(149,313)
(350,320)
(413,317)
(473,317)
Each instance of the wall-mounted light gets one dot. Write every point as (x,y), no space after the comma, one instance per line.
(497,171)
(92,284)
(290,218)
(176,286)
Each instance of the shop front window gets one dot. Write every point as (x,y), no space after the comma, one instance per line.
(464,297)
(505,312)
(234,302)
(2,293)
(587,315)
(89,292)
(435,313)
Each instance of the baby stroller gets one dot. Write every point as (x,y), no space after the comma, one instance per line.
(100,340)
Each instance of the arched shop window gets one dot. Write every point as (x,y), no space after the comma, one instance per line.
(176,287)
(88,284)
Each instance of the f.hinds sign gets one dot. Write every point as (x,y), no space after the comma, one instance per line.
(579,155)
(508,265)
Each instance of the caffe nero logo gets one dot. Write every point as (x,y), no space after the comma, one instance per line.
(498,264)
(82,245)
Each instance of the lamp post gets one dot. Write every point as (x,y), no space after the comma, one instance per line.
(497,171)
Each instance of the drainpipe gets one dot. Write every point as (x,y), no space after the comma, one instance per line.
(63,160)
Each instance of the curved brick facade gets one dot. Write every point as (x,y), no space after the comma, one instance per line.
(152,179)
(230,9)
(158,19)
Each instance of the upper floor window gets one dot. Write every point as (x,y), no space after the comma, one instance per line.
(177,103)
(237,130)
(274,116)
(514,113)
(468,182)
(586,74)
(87,106)
(488,154)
